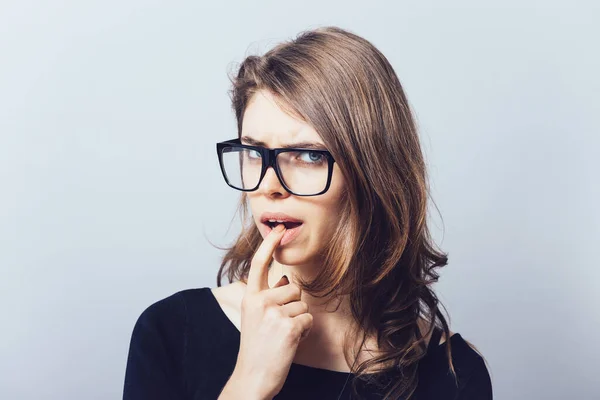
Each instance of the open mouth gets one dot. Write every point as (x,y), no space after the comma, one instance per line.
(293,226)
(292,230)
(288,225)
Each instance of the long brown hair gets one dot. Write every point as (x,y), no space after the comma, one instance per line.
(382,254)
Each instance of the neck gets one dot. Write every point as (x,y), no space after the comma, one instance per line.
(325,320)
(327,335)
(326,339)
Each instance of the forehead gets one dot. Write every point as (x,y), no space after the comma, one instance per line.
(266,122)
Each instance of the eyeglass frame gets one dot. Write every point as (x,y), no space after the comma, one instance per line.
(269,158)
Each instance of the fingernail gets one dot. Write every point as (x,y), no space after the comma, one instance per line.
(279,228)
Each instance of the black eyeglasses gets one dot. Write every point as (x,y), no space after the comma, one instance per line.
(302,172)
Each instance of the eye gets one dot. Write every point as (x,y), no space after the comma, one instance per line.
(312,157)
(253,154)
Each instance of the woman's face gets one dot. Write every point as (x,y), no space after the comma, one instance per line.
(265,122)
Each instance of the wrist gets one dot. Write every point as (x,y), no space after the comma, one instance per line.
(238,387)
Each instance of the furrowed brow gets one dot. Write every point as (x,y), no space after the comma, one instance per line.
(299,145)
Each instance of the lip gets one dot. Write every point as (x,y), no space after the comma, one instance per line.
(289,235)
(279,216)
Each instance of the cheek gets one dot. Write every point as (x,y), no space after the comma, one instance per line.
(326,219)
(327,226)
(253,210)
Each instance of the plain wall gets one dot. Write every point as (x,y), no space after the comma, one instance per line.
(111,190)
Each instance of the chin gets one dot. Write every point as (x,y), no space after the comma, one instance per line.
(291,256)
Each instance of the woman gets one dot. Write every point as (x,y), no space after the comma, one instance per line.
(329,284)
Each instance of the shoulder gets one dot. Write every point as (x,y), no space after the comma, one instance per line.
(465,355)
(229,296)
(190,305)
(158,348)
(423,327)
(171,312)
(163,326)
(471,368)
(472,380)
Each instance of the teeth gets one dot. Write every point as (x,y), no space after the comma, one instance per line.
(274,221)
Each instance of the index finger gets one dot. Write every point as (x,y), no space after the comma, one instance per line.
(258,274)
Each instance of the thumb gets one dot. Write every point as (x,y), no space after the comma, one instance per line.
(305,334)
(282,281)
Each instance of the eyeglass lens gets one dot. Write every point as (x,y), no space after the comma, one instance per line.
(303,172)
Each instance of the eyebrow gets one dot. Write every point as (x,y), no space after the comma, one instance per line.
(299,145)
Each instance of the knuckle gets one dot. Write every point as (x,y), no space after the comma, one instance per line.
(290,330)
(304,306)
(252,302)
(296,291)
(245,303)
(261,302)
(272,313)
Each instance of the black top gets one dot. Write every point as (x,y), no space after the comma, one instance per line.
(185,347)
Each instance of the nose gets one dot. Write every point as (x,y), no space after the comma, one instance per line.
(271,186)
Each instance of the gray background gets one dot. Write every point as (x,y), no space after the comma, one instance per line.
(110,189)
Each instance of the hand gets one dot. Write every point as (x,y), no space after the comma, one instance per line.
(274,321)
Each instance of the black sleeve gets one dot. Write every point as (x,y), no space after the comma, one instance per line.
(156,353)
(479,385)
